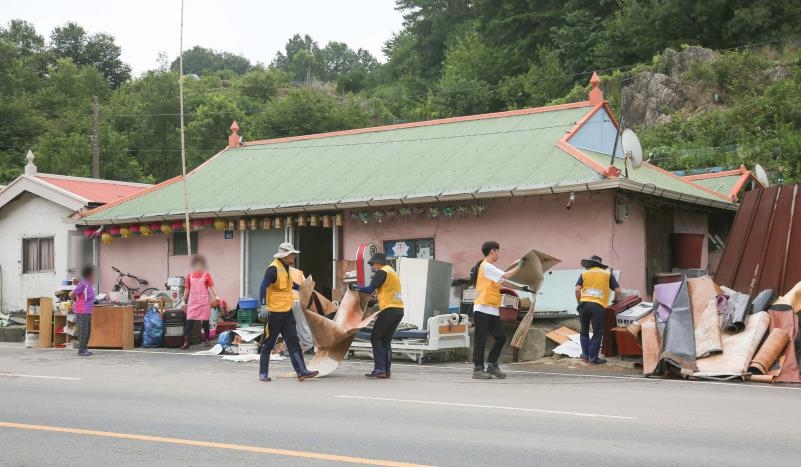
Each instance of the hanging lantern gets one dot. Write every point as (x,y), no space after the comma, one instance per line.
(253,224)
(208,223)
(405,212)
(449,211)
(266,224)
(220,224)
(135,230)
(166,229)
(197,224)
(327,222)
(231,225)
(144,229)
(125,232)
(106,238)
(364,216)
(88,233)
(288,222)
(155,227)
(462,210)
(278,223)
(114,231)
(478,210)
(378,216)
(301,221)
(338,219)
(243,224)
(177,226)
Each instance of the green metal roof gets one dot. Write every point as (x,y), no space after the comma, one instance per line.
(723,185)
(655,179)
(472,157)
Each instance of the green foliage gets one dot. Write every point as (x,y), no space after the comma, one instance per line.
(201,61)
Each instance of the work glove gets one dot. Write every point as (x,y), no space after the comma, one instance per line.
(263,313)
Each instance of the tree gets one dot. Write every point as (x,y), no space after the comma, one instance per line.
(200,61)
(301,59)
(99,51)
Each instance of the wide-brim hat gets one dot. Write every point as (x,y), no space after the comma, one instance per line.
(379,258)
(285,249)
(593,261)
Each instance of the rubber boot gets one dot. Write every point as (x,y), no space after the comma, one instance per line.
(206,340)
(264,365)
(186,344)
(379,363)
(300,366)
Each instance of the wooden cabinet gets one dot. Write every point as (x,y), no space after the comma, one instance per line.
(39,320)
(112,327)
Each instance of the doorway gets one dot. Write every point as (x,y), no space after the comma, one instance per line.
(316,256)
(261,245)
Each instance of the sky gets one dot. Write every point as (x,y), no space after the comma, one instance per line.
(252,28)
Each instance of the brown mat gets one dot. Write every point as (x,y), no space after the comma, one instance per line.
(703,301)
(738,351)
(783,317)
(792,298)
(773,347)
(651,343)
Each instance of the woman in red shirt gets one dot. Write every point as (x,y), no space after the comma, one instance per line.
(198,299)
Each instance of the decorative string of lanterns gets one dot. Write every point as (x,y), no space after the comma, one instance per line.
(167,228)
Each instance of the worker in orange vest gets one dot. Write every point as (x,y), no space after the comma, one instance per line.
(486,311)
(593,289)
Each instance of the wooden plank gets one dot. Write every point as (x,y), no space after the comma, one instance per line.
(45,322)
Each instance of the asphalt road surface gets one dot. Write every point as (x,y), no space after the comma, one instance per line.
(145,408)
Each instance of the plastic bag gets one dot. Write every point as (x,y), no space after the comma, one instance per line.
(153,335)
(225,339)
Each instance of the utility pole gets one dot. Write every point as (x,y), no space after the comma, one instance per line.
(95,138)
(187,227)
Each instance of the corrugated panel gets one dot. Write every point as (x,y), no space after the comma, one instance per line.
(765,242)
(656,178)
(723,185)
(453,158)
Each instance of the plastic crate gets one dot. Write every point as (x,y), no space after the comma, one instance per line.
(247,316)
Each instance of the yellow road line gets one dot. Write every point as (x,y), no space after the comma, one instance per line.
(209,444)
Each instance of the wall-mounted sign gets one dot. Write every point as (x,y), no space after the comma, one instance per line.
(229,234)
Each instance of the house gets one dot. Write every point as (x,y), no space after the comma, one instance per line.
(540,177)
(732,183)
(41,245)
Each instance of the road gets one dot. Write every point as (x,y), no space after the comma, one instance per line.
(146,408)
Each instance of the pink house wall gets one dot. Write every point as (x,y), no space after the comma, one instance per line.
(149,258)
(520,224)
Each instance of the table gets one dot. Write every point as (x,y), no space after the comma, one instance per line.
(112,327)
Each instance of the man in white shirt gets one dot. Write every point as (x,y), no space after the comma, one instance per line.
(486,311)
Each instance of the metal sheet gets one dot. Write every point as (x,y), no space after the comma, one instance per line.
(678,351)
(764,242)
(556,295)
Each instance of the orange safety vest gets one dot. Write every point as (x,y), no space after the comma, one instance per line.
(389,294)
(595,286)
(487,292)
(279,293)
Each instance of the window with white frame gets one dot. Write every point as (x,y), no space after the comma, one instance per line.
(37,255)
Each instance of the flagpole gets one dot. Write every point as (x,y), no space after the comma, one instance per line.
(187,227)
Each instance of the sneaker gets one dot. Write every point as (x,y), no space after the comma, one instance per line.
(84,353)
(265,378)
(494,370)
(584,358)
(597,361)
(479,373)
(376,374)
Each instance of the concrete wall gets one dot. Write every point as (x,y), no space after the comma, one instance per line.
(520,224)
(151,258)
(31,216)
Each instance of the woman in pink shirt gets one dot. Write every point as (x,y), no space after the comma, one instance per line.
(83,297)
(198,299)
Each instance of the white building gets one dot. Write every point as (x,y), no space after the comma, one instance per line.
(41,245)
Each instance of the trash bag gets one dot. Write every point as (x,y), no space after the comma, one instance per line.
(153,335)
(225,339)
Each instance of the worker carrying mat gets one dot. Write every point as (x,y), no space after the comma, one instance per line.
(529,278)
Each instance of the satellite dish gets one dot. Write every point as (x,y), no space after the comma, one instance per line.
(761,175)
(632,150)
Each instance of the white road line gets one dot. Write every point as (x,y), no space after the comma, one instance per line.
(20,375)
(642,379)
(494,407)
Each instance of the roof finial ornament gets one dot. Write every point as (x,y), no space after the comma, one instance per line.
(234,140)
(596,95)
(30,167)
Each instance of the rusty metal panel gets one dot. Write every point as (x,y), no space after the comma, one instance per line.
(765,242)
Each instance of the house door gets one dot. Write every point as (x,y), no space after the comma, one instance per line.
(316,256)
(261,246)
